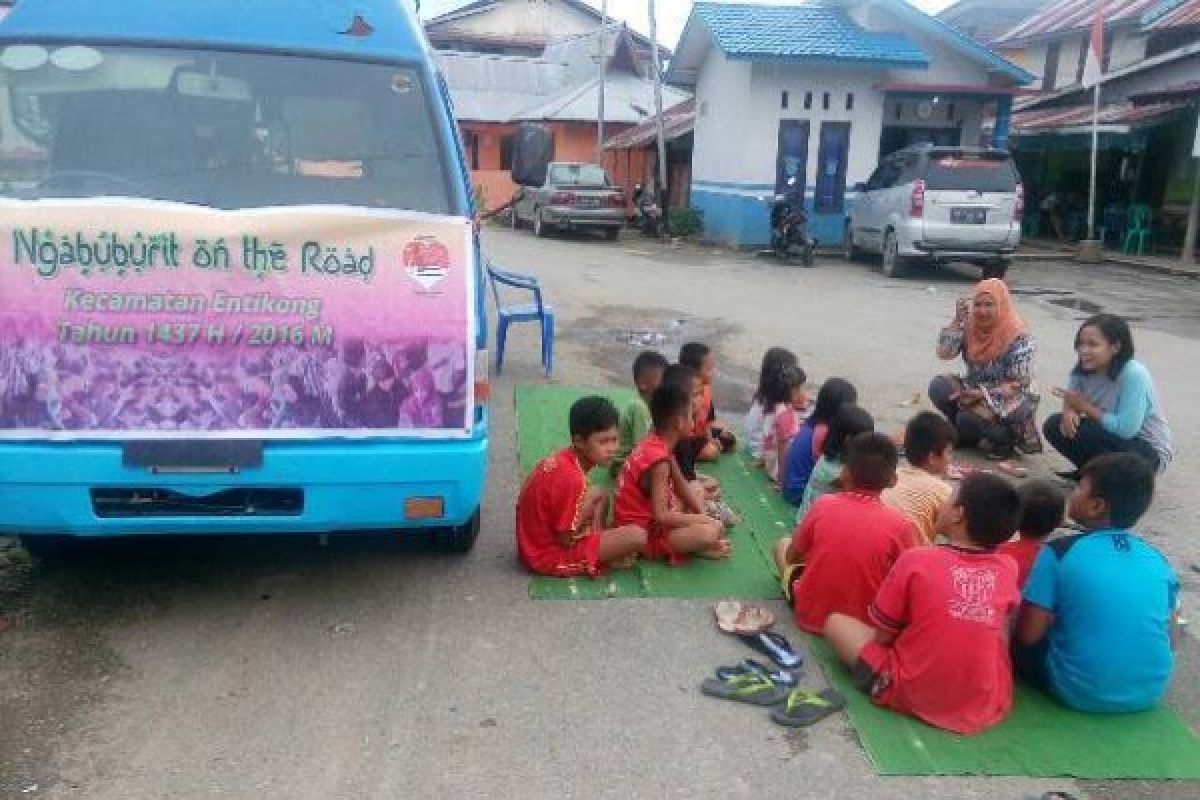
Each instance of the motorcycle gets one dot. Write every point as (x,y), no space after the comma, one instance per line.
(648,218)
(789,228)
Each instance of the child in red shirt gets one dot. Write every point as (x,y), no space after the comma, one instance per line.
(560,521)
(652,494)
(937,645)
(1042,509)
(841,551)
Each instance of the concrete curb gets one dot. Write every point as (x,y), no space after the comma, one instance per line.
(1163,268)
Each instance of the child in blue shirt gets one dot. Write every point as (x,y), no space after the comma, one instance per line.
(1096,627)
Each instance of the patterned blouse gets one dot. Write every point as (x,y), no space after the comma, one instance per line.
(1007,381)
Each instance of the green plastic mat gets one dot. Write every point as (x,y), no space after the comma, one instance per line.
(1040,738)
(749,574)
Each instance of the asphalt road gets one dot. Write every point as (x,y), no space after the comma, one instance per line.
(372,668)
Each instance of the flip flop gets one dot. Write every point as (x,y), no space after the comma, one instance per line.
(750,688)
(734,616)
(779,677)
(775,647)
(803,708)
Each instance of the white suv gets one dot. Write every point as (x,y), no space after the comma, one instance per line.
(938,204)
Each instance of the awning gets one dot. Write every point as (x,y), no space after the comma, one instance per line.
(1177,92)
(1121,118)
(678,121)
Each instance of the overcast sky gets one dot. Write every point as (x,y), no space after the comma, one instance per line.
(672,14)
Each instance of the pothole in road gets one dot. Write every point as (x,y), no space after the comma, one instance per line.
(614,336)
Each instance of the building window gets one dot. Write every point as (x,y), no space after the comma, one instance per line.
(950,111)
(507,145)
(471,145)
(808,101)
(1050,74)
(825,101)
(1084,47)
(783,102)
(850,101)
(899,110)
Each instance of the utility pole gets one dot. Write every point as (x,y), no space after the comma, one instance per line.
(658,115)
(603,80)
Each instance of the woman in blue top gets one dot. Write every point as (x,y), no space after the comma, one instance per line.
(1110,404)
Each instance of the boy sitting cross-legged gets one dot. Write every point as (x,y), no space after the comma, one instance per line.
(937,647)
(560,521)
(1096,629)
(848,541)
(921,491)
(653,495)
(648,369)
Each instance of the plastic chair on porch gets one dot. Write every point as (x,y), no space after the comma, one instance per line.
(536,311)
(1138,231)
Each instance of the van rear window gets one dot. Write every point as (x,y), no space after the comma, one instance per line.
(966,172)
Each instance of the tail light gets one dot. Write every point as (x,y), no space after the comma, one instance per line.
(1019,208)
(563,198)
(917,209)
(483,386)
(616,200)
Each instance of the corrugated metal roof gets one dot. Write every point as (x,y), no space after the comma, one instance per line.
(1070,15)
(624,94)
(491,88)
(1074,119)
(813,32)
(1173,15)
(677,121)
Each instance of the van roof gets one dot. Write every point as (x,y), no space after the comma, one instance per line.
(371,29)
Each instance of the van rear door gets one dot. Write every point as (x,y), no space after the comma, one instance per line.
(970,198)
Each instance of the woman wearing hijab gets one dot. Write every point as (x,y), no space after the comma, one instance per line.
(993,405)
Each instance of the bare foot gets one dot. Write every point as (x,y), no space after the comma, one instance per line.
(722,550)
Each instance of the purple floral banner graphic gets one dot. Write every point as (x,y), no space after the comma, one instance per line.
(127,320)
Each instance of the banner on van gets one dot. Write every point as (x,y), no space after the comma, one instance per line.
(124,320)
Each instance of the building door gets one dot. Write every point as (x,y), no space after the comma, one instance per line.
(791,159)
(832,158)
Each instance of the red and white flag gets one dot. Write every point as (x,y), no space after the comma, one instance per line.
(1093,68)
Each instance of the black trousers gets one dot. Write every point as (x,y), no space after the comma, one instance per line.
(1091,440)
(972,429)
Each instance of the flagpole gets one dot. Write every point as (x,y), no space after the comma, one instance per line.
(1095,148)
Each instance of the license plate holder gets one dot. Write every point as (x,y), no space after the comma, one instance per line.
(968,216)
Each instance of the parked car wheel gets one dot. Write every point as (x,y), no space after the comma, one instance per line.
(612,234)
(893,262)
(539,227)
(850,250)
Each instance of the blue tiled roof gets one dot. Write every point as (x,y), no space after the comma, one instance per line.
(816,33)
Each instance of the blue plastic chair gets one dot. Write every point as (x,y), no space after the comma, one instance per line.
(537,311)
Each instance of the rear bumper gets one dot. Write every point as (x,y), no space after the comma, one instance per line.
(567,217)
(46,488)
(914,241)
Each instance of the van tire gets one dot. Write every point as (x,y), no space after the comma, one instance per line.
(50,549)
(850,250)
(997,268)
(893,263)
(460,539)
(612,234)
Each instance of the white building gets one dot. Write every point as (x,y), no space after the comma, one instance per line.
(818,92)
